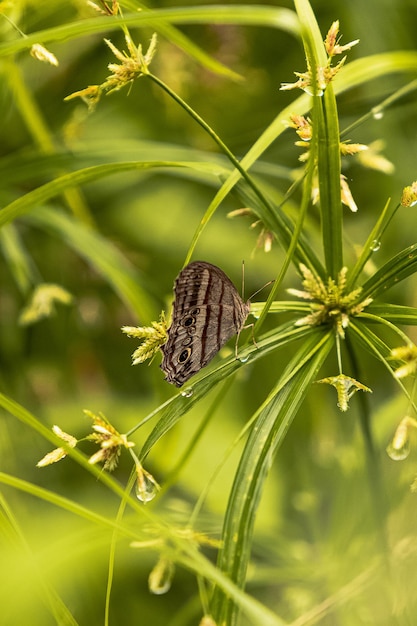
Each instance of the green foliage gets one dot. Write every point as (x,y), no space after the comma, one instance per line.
(247,497)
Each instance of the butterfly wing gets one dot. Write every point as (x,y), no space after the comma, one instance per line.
(207,312)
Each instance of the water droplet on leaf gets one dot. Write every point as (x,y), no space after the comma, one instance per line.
(187,392)
(399,454)
(161,576)
(375,245)
(146,486)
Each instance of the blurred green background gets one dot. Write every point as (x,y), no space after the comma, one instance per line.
(314,525)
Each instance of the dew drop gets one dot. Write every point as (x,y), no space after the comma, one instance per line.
(375,245)
(310,92)
(187,392)
(161,576)
(146,487)
(377,115)
(398,454)
(399,448)
(244,359)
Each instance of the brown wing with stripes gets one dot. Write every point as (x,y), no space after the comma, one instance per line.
(207,312)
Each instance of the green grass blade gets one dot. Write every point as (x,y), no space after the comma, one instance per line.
(373,240)
(17,258)
(395,270)
(379,349)
(252,15)
(180,404)
(375,66)
(9,524)
(103,256)
(395,313)
(274,418)
(41,194)
(325,145)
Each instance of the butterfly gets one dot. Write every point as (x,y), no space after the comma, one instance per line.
(207,312)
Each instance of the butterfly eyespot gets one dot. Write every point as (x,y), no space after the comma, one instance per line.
(189,321)
(186,341)
(184,356)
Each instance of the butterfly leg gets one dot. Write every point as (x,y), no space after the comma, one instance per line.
(238,335)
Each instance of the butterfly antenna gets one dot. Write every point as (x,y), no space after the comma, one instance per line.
(270,282)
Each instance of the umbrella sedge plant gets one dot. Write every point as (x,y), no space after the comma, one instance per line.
(337,312)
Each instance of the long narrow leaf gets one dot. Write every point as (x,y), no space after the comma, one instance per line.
(400,266)
(252,15)
(43,193)
(102,255)
(274,419)
(180,404)
(395,313)
(325,145)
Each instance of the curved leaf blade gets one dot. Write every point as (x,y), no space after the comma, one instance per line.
(274,419)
